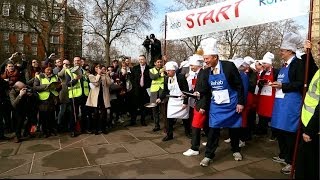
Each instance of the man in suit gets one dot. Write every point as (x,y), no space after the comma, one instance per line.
(222,84)
(141,81)
(288,99)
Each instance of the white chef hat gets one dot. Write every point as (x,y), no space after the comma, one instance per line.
(171,65)
(184,64)
(249,60)
(209,46)
(253,66)
(238,62)
(196,60)
(267,58)
(290,41)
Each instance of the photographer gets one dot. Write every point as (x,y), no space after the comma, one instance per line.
(155,48)
(21,97)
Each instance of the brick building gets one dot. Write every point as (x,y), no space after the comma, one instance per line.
(27,26)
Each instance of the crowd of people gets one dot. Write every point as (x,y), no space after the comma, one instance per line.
(205,92)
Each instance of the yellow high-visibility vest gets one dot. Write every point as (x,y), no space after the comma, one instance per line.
(156,84)
(311,99)
(76,90)
(44,95)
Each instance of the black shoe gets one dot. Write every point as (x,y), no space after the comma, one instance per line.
(132,124)
(47,135)
(167,138)
(143,124)
(156,129)
(74,134)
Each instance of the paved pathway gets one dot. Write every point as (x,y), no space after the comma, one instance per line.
(132,152)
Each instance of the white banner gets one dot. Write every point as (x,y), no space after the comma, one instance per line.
(232,14)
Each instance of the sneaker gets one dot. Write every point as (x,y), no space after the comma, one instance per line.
(227,140)
(191,152)
(204,143)
(242,143)
(205,162)
(286,169)
(278,160)
(237,156)
(272,139)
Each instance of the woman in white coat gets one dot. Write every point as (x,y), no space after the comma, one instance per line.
(99,98)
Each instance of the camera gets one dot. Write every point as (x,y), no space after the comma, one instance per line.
(146,42)
(29,90)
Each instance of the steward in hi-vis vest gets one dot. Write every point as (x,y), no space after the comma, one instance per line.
(308,154)
(78,89)
(156,88)
(47,85)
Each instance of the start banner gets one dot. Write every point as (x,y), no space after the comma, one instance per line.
(232,14)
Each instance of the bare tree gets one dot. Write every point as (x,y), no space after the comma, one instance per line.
(112,19)
(178,51)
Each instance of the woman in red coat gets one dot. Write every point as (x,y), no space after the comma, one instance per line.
(266,93)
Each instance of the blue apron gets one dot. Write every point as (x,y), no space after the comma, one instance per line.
(223,114)
(245,83)
(286,110)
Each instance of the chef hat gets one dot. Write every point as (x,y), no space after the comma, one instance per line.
(290,41)
(238,62)
(267,58)
(299,54)
(184,64)
(196,60)
(209,46)
(249,60)
(253,66)
(171,65)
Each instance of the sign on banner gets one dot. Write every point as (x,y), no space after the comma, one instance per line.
(232,14)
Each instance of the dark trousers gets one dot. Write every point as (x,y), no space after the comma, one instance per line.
(101,119)
(48,121)
(73,109)
(286,141)
(263,125)
(156,116)
(213,141)
(20,118)
(86,116)
(138,101)
(307,164)
(195,141)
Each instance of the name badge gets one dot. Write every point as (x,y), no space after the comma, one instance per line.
(221,96)
(279,93)
(266,91)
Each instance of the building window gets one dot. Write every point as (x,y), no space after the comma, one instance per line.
(11,25)
(34,50)
(6,36)
(34,38)
(34,12)
(54,39)
(6,9)
(6,48)
(21,9)
(20,37)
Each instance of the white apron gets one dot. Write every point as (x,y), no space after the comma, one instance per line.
(174,109)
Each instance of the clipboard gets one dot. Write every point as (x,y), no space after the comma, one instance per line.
(54,85)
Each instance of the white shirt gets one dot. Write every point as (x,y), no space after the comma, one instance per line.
(289,61)
(217,66)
